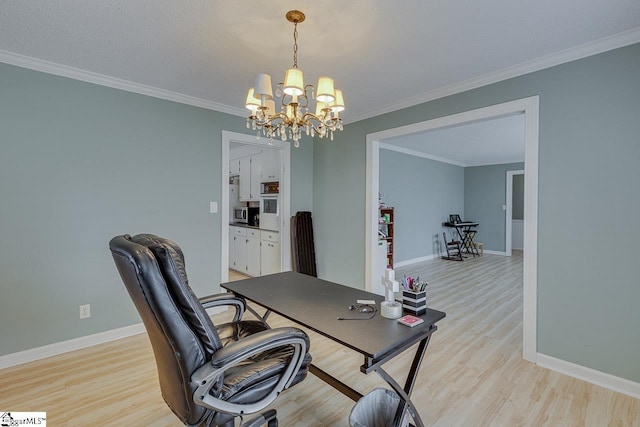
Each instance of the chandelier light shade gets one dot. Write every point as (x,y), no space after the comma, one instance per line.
(326,92)
(252,103)
(262,87)
(293,82)
(296,114)
(338,104)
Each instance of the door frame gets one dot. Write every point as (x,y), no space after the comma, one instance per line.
(530,108)
(508,228)
(285,197)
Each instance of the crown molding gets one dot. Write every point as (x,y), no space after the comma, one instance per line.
(113,82)
(588,49)
(415,153)
(572,54)
(410,152)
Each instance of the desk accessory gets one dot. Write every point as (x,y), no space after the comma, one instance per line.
(410,320)
(390,308)
(414,302)
(413,284)
(414,296)
(361,308)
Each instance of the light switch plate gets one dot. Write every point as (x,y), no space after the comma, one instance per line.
(213,207)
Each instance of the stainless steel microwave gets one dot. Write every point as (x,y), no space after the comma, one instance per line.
(241,214)
(246,215)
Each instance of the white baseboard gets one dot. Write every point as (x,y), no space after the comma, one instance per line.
(414,260)
(592,376)
(33,354)
(486,251)
(61,347)
(434,256)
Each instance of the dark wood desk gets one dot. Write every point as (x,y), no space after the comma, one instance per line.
(317,304)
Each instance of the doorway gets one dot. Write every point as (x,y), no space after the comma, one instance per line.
(513,229)
(530,108)
(284,149)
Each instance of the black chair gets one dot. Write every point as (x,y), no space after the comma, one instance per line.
(454,249)
(208,374)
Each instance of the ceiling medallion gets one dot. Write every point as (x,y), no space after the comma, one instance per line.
(296,114)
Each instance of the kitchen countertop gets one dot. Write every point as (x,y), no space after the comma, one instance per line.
(243,225)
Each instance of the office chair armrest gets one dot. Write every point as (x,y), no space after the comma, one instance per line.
(246,347)
(207,376)
(226,299)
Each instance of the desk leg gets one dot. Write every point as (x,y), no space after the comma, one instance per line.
(405,393)
(255,313)
(335,383)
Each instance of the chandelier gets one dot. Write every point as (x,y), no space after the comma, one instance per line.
(296,115)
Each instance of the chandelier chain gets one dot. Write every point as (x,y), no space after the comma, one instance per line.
(295,45)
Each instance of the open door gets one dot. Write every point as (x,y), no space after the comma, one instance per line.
(230,139)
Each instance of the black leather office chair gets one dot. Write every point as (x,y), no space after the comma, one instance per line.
(208,374)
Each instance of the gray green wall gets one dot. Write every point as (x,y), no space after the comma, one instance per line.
(302,176)
(588,155)
(485,191)
(81,163)
(423,192)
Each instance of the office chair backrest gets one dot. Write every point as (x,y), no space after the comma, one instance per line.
(181,333)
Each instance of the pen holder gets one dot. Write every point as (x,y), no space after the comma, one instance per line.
(414,303)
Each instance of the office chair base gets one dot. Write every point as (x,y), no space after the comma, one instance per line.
(269,417)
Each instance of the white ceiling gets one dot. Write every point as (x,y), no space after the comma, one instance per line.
(385,55)
(487,142)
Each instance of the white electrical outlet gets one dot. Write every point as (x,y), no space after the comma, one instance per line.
(85,311)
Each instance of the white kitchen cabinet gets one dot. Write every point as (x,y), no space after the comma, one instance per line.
(250,170)
(269,252)
(270,165)
(234,167)
(245,179)
(244,250)
(253,253)
(232,248)
(238,254)
(234,199)
(256,171)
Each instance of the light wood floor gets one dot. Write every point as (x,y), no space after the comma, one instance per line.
(473,373)
(234,275)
